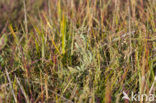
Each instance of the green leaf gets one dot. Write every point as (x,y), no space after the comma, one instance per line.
(3,41)
(72,70)
(63,33)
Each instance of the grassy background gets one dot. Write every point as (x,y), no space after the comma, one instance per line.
(80,51)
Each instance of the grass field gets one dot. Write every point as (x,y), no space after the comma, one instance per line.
(77,51)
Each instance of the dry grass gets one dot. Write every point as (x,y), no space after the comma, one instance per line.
(76,51)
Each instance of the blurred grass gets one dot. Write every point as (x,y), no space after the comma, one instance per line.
(81,51)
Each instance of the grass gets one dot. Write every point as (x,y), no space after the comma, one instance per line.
(76,51)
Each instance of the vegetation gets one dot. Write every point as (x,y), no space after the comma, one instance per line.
(76,51)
